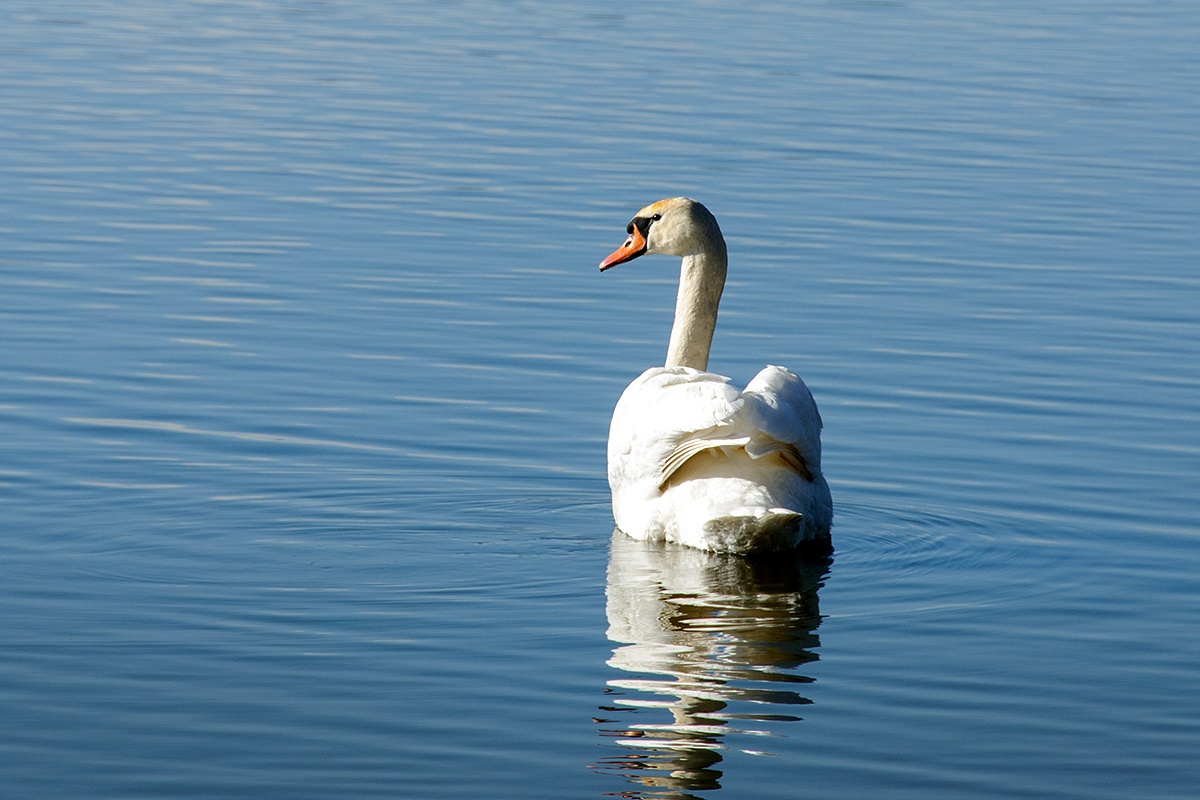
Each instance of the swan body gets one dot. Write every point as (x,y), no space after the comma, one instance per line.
(691,458)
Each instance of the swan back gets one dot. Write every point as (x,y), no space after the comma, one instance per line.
(694,460)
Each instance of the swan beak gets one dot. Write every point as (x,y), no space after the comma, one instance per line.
(634,246)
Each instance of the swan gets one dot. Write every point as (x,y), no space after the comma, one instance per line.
(691,459)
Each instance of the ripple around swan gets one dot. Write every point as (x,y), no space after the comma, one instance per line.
(908,562)
(716,652)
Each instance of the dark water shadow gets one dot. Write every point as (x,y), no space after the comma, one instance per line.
(713,649)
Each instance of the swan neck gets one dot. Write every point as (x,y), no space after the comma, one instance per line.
(701,281)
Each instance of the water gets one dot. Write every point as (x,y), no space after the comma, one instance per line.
(307,370)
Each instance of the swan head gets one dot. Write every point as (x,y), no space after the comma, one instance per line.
(677,226)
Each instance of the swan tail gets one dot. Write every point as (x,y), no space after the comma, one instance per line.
(778,529)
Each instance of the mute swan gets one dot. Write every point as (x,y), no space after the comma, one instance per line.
(690,458)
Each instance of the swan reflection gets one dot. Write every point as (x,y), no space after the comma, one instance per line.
(714,646)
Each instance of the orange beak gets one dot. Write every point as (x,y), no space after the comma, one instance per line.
(634,246)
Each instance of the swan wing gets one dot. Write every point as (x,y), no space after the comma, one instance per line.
(694,445)
(665,417)
(780,416)
(671,414)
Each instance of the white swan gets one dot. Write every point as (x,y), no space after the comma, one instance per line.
(690,458)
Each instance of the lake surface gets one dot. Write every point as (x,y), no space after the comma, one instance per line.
(307,370)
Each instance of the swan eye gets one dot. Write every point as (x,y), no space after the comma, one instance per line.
(642,224)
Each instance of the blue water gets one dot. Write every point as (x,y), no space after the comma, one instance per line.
(307,369)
